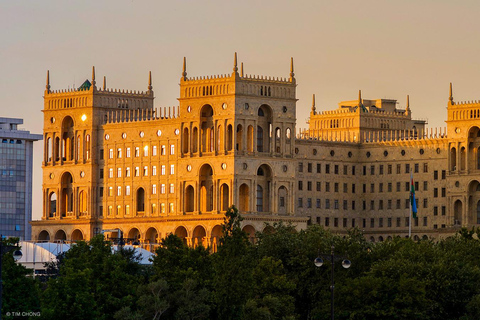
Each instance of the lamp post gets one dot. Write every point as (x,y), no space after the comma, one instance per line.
(17,255)
(332,257)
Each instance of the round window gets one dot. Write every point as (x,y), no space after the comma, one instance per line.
(403,152)
(159,133)
(332,153)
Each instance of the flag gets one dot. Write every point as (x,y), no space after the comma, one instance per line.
(413,202)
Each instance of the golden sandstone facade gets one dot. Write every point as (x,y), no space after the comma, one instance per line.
(113,161)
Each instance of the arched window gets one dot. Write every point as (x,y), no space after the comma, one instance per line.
(189,199)
(244,197)
(239,145)
(140,200)
(259,139)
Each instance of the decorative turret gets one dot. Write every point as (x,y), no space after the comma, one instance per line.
(407,109)
(47,86)
(314,110)
(241,70)
(104,83)
(235,68)
(93,78)
(184,72)
(150,81)
(292,74)
(450,99)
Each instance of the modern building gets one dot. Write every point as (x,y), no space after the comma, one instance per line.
(16,156)
(112,161)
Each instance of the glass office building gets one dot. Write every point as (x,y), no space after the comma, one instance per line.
(16,155)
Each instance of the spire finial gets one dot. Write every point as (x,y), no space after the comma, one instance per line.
(313,104)
(184,73)
(241,70)
(359,98)
(407,108)
(235,68)
(93,76)
(47,86)
(451,94)
(104,83)
(292,74)
(150,81)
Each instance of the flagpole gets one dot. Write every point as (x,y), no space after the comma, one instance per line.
(410,206)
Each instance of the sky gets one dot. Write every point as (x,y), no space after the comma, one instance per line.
(387,49)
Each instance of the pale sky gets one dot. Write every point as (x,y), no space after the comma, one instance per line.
(388,49)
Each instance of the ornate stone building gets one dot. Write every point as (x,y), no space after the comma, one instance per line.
(113,161)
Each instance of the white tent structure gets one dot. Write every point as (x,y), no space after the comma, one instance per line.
(36,254)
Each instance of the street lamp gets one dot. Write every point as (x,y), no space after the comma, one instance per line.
(17,255)
(332,257)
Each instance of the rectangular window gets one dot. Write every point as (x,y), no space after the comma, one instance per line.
(389,204)
(425,167)
(110,191)
(416,186)
(389,169)
(137,152)
(353,170)
(119,191)
(398,186)
(300,202)
(128,153)
(407,222)
(425,203)
(101,192)
(110,153)
(353,222)
(380,205)
(353,204)
(407,186)
(172,149)
(119,153)
(127,190)
(327,186)
(327,221)
(372,205)
(327,203)
(345,188)
(364,223)
(435,175)
(300,167)
(319,204)
(364,188)
(335,222)
(398,204)
(372,188)
(399,168)
(364,205)
(101,154)
(319,186)
(145,151)
(172,169)
(380,187)
(145,171)
(407,203)
(364,170)
(336,169)
(417,167)
(407,168)
(154,170)
(380,222)
(345,170)
(444,174)
(345,221)
(154,150)
(399,222)
(162,208)
(309,167)
(327,168)
(372,222)
(137,171)
(389,187)
(435,192)
(416,222)
(164,152)
(110,173)
(309,185)
(170,207)
(319,168)
(335,205)
(435,211)
(444,210)
(119,172)
(372,170)
(345,204)
(101,173)
(389,222)
(425,185)
(318,220)
(444,192)
(309,202)
(163,170)
(162,188)
(336,186)
(154,208)
(300,185)
(380,169)
(154,189)
(127,172)
(353,187)
(172,188)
